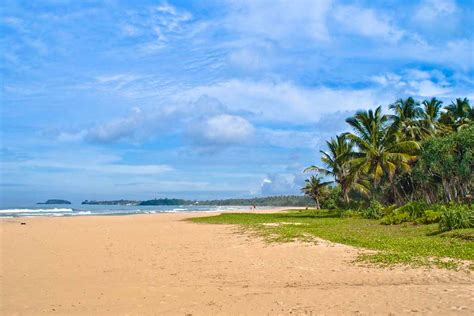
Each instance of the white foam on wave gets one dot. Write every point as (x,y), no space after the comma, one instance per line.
(83,213)
(36,210)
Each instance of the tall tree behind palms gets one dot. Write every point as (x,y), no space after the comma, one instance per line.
(314,187)
(380,150)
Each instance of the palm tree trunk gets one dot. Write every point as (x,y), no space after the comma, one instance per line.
(396,196)
(317,203)
(345,195)
(447,193)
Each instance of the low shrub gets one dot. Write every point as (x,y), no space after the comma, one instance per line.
(456,216)
(397,217)
(350,214)
(429,217)
(330,204)
(389,209)
(374,211)
(414,209)
(415,212)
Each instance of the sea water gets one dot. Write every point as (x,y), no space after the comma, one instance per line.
(31,210)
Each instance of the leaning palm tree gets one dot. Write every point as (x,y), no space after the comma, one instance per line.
(381,152)
(314,188)
(406,117)
(336,162)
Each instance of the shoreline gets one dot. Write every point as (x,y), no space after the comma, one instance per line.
(69,215)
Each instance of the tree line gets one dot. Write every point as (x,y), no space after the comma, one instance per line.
(420,151)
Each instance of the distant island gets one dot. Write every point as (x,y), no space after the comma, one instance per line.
(114,202)
(282,200)
(55,201)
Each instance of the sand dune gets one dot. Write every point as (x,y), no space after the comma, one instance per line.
(159,264)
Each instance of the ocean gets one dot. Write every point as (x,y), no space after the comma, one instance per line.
(88,210)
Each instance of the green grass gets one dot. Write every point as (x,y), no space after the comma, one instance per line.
(419,245)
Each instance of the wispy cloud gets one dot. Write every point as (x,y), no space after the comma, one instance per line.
(281,21)
(367,22)
(432,11)
(155,26)
(284,101)
(423,84)
(95,163)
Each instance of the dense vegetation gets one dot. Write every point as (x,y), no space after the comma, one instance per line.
(281,200)
(166,201)
(113,202)
(412,244)
(421,155)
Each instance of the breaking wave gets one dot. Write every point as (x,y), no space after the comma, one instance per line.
(35,210)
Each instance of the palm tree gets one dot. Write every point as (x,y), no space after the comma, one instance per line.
(458,114)
(406,114)
(314,187)
(429,121)
(380,150)
(336,161)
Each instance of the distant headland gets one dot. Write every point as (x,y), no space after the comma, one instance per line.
(55,201)
(113,202)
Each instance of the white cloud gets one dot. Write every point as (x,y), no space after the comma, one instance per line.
(115,130)
(278,183)
(203,121)
(279,19)
(117,81)
(223,129)
(433,11)
(85,161)
(367,22)
(427,88)
(156,26)
(285,101)
(416,83)
(67,137)
(201,112)
(136,127)
(131,169)
(247,58)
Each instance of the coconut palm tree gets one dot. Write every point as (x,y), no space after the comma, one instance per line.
(458,115)
(336,162)
(380,152)
(429,117)
(314,188)
(406,117)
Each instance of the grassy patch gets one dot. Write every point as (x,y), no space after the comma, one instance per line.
(397,244)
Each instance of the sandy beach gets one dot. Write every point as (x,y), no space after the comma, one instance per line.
(160,264)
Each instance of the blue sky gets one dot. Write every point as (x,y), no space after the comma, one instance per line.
(206,99)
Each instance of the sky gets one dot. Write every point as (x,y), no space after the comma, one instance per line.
(206,99)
